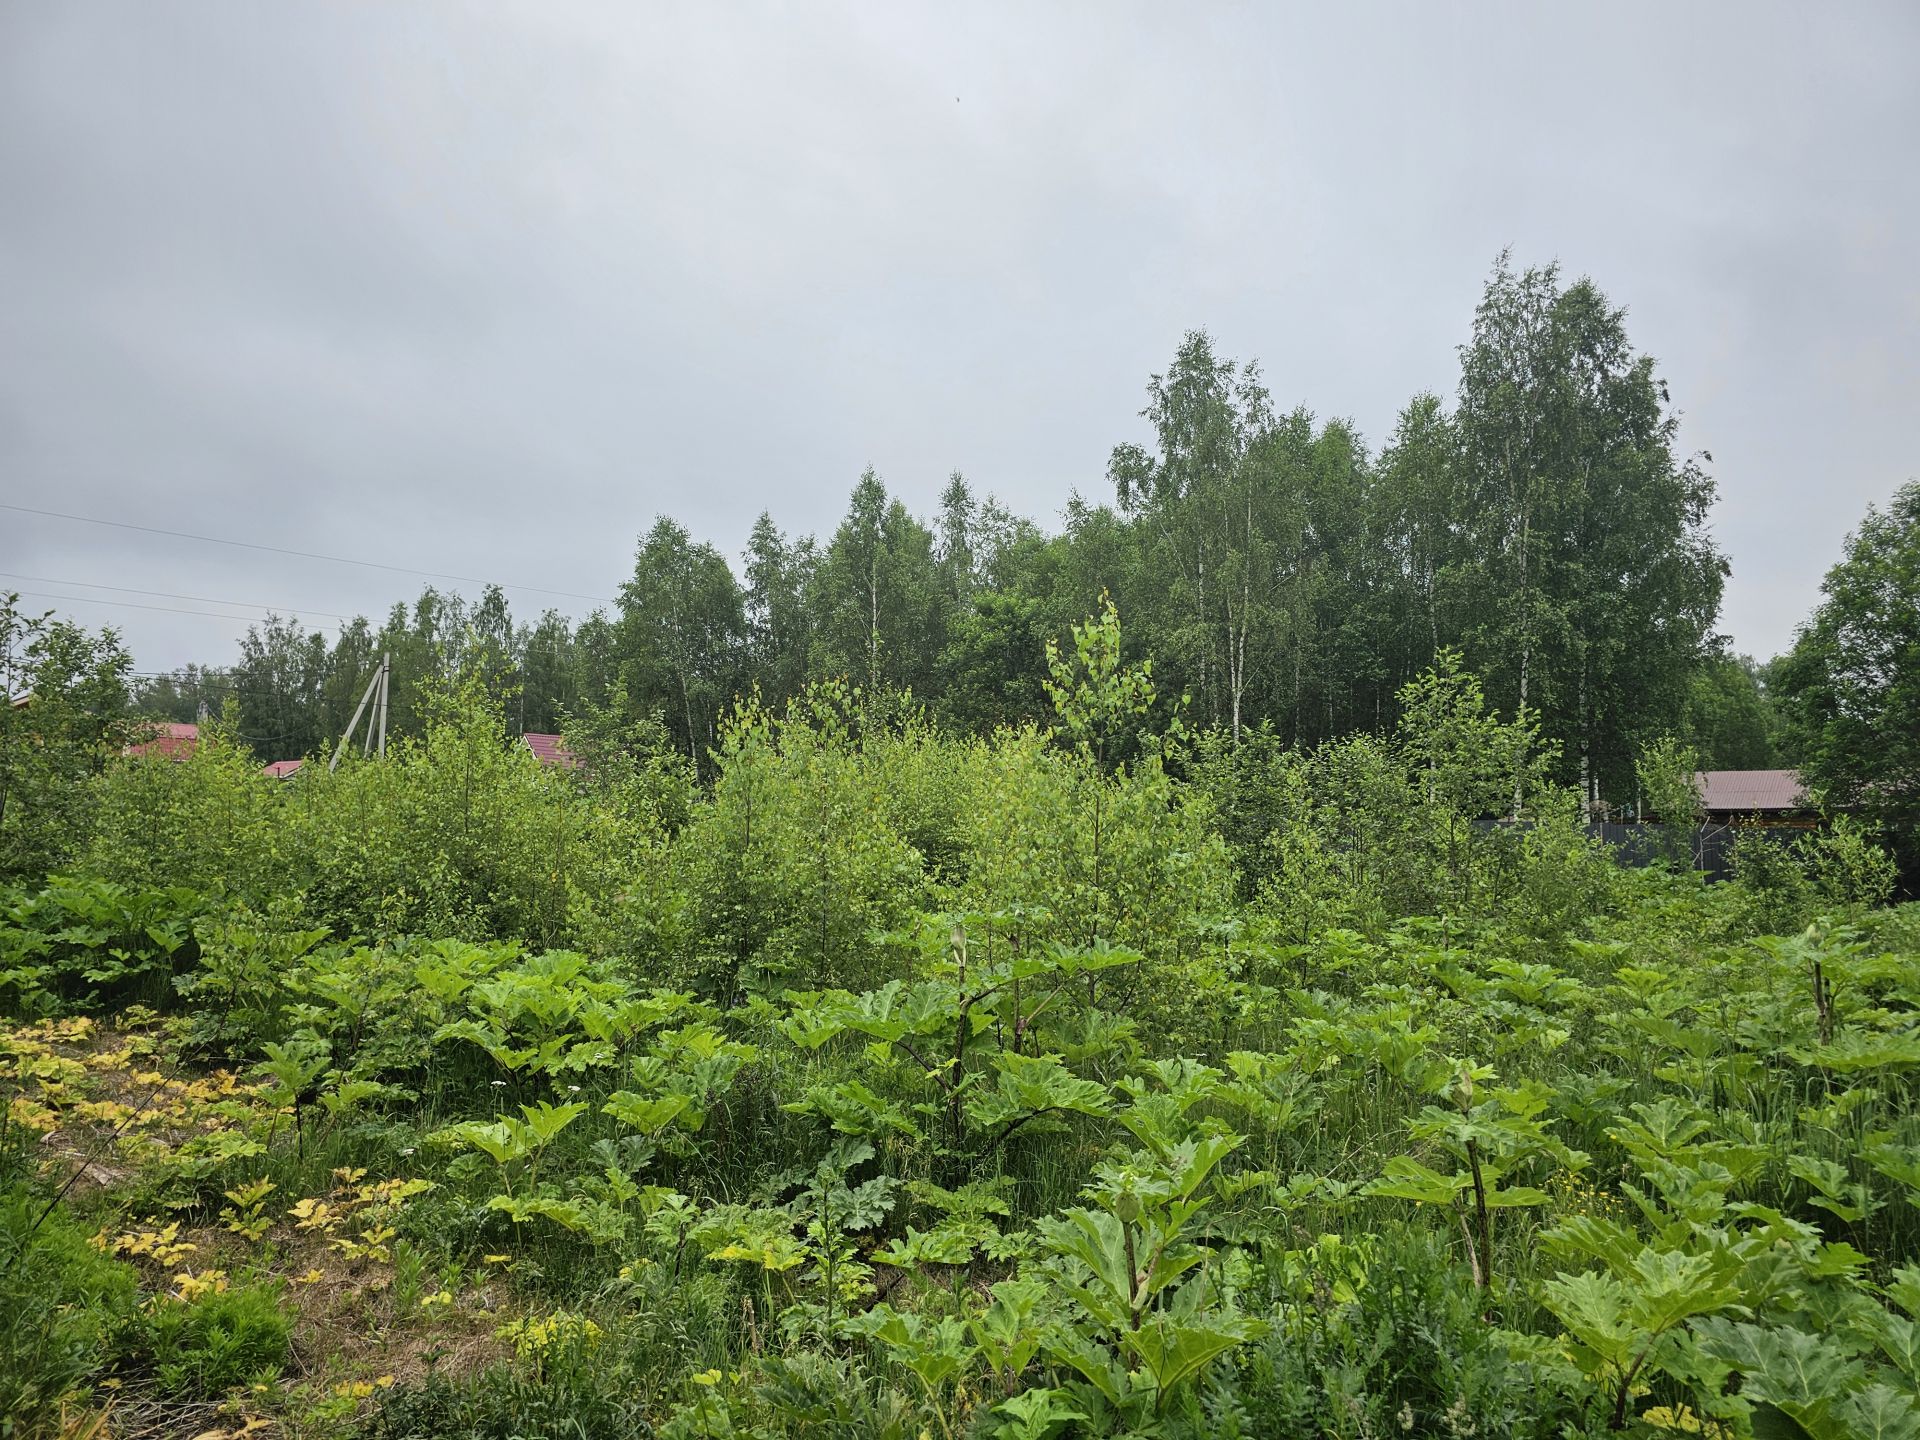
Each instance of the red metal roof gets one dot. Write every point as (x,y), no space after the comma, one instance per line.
(1743,792)
(281,769)
(167,740)
(548,750)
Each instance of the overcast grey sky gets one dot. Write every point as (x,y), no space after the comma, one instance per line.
(482,289)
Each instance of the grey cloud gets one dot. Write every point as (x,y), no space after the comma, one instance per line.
(482,289)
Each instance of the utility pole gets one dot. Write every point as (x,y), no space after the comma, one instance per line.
(375,694)
(385,673)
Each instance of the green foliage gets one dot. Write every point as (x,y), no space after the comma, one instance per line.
(681,628)
(454,831)
(206,819)
(1585,580)
(240,987)
(279,685)
(795,859)
(581,1398)
(1790,881)
(627,762)
(1730,719)
(1488,1142)
(1666,773)
(1100,701)
(206,1346)
(880,611)
(1157,1313)
(1453,814)
(994,667)
(66,1311)
(895,1083)
(71,719)
(1851,684)
(84,943)
(1378,1334)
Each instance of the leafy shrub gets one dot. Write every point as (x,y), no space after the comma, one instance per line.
(456,831)
(65,1310)
(86,943)
(239,990)
(796,861)
(1786,883)
(52,747)
(1380,1336)
(223,1338)
(1451,815)
(207,819)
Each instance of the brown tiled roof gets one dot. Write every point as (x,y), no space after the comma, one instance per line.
(548,750)
(1744,792)
(281,769)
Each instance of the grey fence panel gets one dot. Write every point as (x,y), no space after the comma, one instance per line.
(1710,845)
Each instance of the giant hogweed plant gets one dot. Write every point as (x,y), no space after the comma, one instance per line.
(82,943)
(1126,1299)
(1755,1314)
(1489,1142)
(671,1082)
(1763,1312)
(960,1049)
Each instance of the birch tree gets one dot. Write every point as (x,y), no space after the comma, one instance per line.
(1203,500)
(1587,582)
(681,629)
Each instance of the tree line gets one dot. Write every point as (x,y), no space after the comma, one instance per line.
(1283,576)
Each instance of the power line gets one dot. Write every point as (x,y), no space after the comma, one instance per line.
(301,554)
(547,648)
(133,605)
(291,695)
(292,611)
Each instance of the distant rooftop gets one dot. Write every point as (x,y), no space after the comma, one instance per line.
(548,750)
(166,740)
(281,769)
(1745,792)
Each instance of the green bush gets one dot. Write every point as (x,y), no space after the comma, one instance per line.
(1450,815)
(86,943)
(458,831)
(1380,1335)
(1787,883)
(208,819)
(65,1311)
(206,1346)
(73,726)
(796,860)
